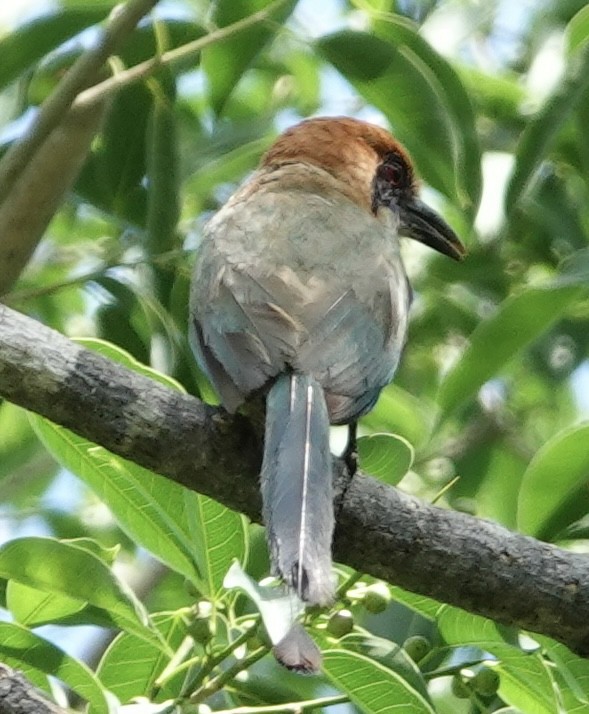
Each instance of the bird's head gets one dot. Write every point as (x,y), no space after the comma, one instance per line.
(373,170)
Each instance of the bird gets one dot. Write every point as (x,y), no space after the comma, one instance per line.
(300,295)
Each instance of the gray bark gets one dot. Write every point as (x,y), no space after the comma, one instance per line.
(18,696)
(453,557)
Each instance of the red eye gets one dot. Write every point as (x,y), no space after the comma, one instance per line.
(392,174)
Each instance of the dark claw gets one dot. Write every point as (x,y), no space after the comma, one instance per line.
(350,455)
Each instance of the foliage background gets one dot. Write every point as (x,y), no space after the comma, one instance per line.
(492,101)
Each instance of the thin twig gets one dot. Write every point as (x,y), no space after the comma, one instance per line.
(191,49)
(55,107)
(216,684)
(291,707)
(213,662)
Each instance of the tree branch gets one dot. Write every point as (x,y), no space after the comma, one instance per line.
(474,564)
(18,696)
(56,106)
(40,188)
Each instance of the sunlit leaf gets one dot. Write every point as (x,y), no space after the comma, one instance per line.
(54,566)
(399,412)
(577,31)
(525,679)
(130,666)
(372,687)
(278,606)
(26,651)
(553,491)
(28,43)
(31,606)
(191,533)
(389,655)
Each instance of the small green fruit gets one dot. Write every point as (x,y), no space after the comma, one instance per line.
(340,623)
(486,682)
(417,647)
(460,688)
(376,598)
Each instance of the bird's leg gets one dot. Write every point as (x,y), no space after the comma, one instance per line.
(350,455)
(350,459)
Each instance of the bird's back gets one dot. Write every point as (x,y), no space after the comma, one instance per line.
(294,275)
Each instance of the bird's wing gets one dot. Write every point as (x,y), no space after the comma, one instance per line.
(271,294)
(240,335)
(354,349)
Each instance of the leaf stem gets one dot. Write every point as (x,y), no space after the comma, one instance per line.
(290,708)
(79,76)
(191,49)
(217,683)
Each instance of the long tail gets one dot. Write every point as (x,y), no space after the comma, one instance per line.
(297,486)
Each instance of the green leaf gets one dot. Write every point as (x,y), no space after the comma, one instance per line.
(519,320)
(577,31)
(28,43)
(58,567)
(401,413)
(572,671)
(553,491)
(219,536)
(117,167)
(456,100)
(526,681)
(33,607)
(541,131)
(149,508)
(22,649)
(225,62)
(388,654)
(18,447)
(278,606)
(130,666)
(162,176)
(420,107)
(372,687)
(193,534)
(388,457)
(423,605)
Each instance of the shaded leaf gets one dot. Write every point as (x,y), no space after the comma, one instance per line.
(162,177)
(553,491)
(26,651)
(386,456)
(540,132)
(28,43)
(519,320)
(226,61)
(457,102)
(419,105)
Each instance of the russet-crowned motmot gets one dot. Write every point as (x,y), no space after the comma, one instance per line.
(300,293)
